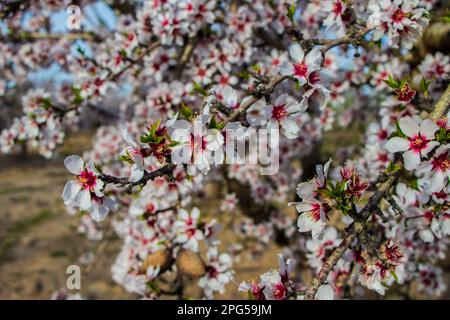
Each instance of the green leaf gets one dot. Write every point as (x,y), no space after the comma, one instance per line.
(395,276)
(244,75)
(446,17)
(154,127)
(442,136)
(291,12)
(123,53)
(173,144)
(424,84)
(391,82)
(199,89)
(216,125)
(186,111)
(80,50)
(326,193)
(375,44)
(153,286)
(256,67)
(144,139)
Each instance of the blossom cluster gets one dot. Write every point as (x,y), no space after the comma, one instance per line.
(174,84)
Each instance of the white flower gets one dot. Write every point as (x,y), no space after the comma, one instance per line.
(302,67)
(198,146)
(218,272)
(85,192)
(187,230)
(437,169)
(274,288)
(318,249)
(229,202)
(134,154)
(282,114)
(418,142)
(334,9)
(312,217)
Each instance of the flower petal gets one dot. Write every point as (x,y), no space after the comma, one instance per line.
(313,59)
(430,146)
(71,190)
(98,211)
(411,160)
(74,164)
(409,126)
(296,52)
(396,144)
(85,202)
(128,138)
(304,223)
(325,292)
(427,129)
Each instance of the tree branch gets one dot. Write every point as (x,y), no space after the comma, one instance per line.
(355,229)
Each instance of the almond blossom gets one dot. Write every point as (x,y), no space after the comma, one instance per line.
(282,115)
(303,68)
(187,229)
(133,154)
(86,191)
(418,141)
(437,169)
(197,145)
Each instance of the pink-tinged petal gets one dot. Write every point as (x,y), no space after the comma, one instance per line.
(295,107)
(396,144)
(437,182)
(430,146)
(98,188)
(182,237)
(170,122)
(409,126)
(330,234)
(317,230)
(137,173)
(286,68)
(98,212)
(183,214)
(71,190)
(426,235)
(128,138)
(281,99)
(85,202)
(411,160)
(445,226)
(302,81)
(313,59)
(428,128)
(291,127)
(195,213)
(304,223)
(304,206)
(424,167)
(306,189)
(442,149)
(326,167)
(296,52)
(74,164)
(198,235)
(325,292)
